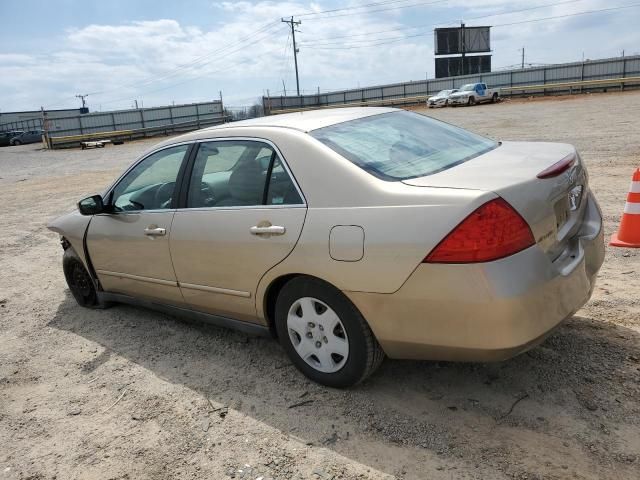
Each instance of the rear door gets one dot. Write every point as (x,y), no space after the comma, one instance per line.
(243,214)
(129,248)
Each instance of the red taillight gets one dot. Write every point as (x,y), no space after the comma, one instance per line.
(557,168)
(494,230)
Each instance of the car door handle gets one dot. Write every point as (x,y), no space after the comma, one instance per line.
(152,231)
(270,230)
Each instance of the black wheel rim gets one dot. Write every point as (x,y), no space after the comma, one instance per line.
(80,281)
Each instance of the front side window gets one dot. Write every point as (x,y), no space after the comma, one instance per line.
(235,173)
(402,145)
(150,185)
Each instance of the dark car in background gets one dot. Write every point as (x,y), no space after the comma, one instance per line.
(32,136)
(5,137)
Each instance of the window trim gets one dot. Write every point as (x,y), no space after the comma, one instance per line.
(186,180)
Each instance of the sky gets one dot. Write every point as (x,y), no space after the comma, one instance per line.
(160,52)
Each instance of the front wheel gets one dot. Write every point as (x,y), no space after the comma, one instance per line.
(494,99)
(16,143)
(79,281)
(471,101)
(324,334)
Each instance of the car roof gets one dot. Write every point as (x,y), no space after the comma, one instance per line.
(308,120)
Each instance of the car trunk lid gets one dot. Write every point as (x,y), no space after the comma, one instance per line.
(549,205)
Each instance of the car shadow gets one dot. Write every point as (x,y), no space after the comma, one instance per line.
(574,396)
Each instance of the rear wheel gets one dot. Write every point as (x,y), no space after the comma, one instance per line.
(324,334)
(17,142)
(79,281)
(494,99)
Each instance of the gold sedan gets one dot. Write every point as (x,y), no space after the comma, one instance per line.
(347,234)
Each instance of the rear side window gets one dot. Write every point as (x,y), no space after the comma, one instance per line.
(402,145)
(239,173)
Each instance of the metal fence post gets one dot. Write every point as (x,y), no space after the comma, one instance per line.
(624,72)
(113,122)
(142,118)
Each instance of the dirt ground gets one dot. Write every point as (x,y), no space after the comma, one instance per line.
(126,393)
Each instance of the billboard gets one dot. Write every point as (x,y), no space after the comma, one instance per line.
(455,66)
(449,41)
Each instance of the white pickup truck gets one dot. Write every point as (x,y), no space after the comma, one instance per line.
(473,93)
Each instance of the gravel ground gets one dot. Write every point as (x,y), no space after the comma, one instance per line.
(126,393)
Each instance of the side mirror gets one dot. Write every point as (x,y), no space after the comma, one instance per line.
(91,205)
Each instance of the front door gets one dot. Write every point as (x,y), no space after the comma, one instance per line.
(244,214)
(129,248)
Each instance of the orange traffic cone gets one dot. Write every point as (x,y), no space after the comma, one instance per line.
(629,233)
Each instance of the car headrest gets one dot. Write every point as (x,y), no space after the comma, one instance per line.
(246,183)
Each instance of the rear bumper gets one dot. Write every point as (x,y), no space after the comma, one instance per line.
(490,311)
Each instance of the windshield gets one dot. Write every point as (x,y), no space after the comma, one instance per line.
(402,145)
(468,87)
(443,93)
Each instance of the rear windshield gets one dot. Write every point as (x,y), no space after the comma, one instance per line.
(402,145)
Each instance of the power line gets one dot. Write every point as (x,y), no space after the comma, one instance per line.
(385,41)
(453,21)
(268,29)
(222,68)
(285,56)
(204,73)
(355,7)
(420,4)
(197,62)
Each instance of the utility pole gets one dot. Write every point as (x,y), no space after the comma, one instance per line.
(464,49)
(82,97)
(293,24)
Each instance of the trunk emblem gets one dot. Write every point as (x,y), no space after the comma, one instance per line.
(575,194)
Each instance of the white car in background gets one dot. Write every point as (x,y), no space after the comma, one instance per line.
(441,99)
(473,93)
